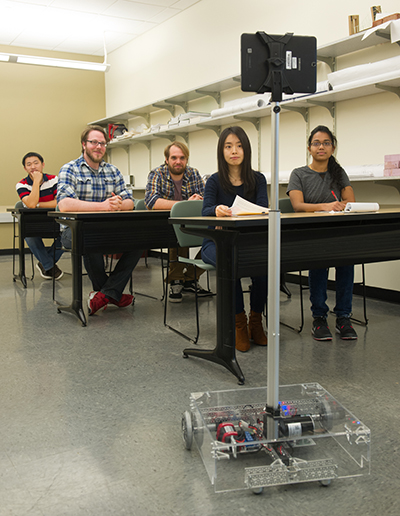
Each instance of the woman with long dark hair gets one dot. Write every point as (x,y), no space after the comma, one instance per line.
(324,186)
(236,177)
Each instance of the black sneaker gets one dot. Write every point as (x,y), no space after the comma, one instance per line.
(57,272)
(346,330)
(190,286)
(45,274)
(175,291)
(320,329)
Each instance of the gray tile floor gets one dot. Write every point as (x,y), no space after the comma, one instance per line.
(90,417)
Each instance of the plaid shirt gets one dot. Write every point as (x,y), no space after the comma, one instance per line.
(77,180)
(160,185)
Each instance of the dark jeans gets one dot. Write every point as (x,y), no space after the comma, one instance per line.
(111,285)
(258,291)
(318,283)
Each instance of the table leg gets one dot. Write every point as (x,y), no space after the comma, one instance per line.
(76,258)
(21,274)
(224,352)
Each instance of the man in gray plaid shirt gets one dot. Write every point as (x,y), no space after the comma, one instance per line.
(88,183)
(171,182)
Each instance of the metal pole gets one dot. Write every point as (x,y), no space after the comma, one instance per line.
(274,266)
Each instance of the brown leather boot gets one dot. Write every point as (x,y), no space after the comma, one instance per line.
(256,330)
(242,336)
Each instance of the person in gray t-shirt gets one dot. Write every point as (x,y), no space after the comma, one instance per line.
(325,186)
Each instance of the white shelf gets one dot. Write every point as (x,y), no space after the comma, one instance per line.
(369,86)
(346,92)
(347,45)
(353,44)
(214,89)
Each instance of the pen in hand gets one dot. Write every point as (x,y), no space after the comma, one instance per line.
(334,195)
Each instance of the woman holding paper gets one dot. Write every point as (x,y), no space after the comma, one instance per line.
(325,186)
(236,177)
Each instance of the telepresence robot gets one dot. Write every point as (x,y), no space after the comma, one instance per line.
(274,435)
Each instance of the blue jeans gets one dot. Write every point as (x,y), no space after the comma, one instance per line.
(111,285)
(318,282)
(258,291)
(45,255)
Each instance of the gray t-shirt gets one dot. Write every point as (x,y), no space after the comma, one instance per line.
(316,187)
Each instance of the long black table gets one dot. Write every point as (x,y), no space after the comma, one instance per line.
(31,223)
(308,240)
(108,233)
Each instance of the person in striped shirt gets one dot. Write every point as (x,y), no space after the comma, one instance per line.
(39,190)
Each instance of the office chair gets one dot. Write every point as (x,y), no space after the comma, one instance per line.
(285,206)
(19,204)
(188,209)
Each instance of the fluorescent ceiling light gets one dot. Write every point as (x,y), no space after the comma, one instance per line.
(58,63)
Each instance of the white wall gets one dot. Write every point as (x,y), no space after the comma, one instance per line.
(202,45)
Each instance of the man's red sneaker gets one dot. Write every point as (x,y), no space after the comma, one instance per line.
(97,301)
(126,300)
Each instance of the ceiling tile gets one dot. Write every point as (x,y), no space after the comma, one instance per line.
(82,25)
(112,23)
(162,3)
(164,15)
(184,4)
(133,10)
(89,6)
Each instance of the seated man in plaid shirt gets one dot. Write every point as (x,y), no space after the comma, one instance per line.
(90,184)
(167,184)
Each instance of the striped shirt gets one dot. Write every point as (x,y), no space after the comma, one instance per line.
(47,190)
(161,186)
(79,181)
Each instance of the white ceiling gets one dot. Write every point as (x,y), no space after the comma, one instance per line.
(82,26)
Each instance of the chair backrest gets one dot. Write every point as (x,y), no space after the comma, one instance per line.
(187,209)
(140,205)
(19,204)
(285,205)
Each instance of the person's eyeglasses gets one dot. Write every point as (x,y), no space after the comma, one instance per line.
(95,143)
(318,144)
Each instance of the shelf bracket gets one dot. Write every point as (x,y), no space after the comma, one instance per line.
(170,138)
(183,105)
(215,128)
(185,136)
(330,61)
(168,107)
(146,116)
(392,89)
(216,95)
(382,34)
(303,111)
(330,106)
(254,121)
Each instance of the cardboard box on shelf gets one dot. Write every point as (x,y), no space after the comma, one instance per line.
(392,165)
(391,172)
(394,16)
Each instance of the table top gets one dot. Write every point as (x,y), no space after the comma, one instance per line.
(389,211)
(29,210)
(110,215)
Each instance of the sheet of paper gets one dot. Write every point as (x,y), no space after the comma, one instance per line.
(361,207)
(331,212)
(242,207)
